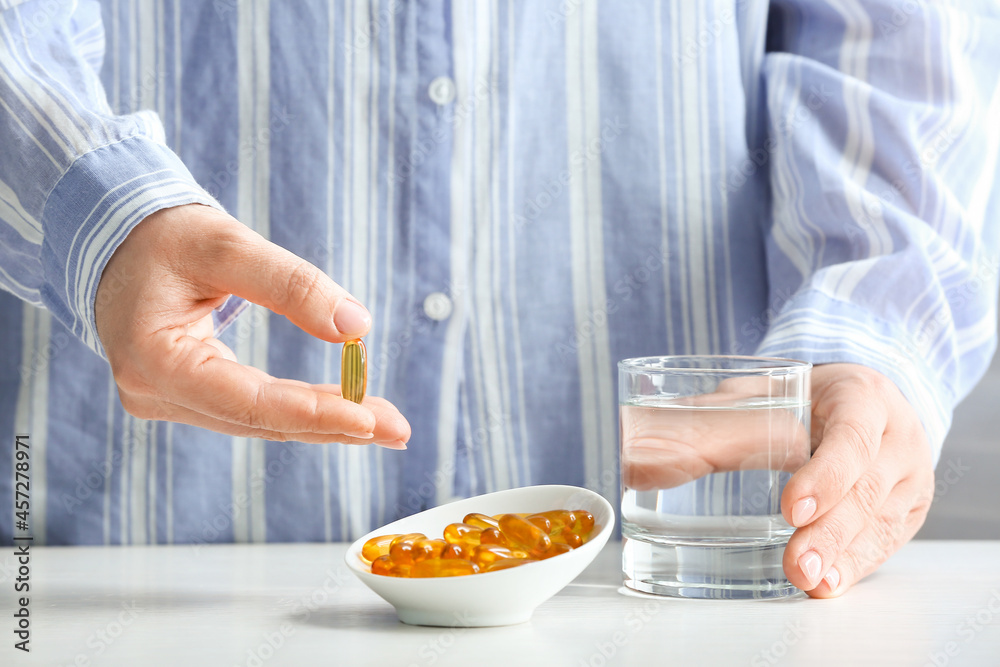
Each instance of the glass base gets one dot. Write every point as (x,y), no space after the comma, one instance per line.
(732,569)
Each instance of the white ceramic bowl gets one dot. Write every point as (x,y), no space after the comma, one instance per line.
(491,598)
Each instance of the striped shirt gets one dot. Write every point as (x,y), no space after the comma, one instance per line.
(522,193)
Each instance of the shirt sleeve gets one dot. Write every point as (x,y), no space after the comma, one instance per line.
(74,177)
(882,153)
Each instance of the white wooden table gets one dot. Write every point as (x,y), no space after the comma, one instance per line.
(934,603)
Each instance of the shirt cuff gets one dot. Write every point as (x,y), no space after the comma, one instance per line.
(93,207)
(816,328)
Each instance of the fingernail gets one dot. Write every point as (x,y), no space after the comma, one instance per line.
(803,510)
(395,444)
(832,579)
(351,318)
(811,564)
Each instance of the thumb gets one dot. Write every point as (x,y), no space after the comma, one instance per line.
(248,265)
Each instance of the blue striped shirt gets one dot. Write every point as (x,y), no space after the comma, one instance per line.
(522,193)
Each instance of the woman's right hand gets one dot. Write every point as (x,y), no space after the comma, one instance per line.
(154,318)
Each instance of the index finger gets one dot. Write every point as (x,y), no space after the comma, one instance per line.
(242,262)
(850,440)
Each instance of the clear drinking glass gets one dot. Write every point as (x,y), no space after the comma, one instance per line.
(707,446)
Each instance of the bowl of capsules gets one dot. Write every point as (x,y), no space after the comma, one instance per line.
(487,560)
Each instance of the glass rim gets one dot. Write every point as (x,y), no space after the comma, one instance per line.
(779,365)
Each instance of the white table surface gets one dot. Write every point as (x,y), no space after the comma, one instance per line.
(218,605)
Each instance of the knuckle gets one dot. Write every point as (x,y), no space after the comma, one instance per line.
(252,412)
(839,476)
(862,441)
(304,283)
(886,532)
(869,491)
(829,536)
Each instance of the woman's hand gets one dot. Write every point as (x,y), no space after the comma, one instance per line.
(867,488)
(153,311)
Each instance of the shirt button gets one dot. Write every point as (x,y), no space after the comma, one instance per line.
(441,90)
(437,306)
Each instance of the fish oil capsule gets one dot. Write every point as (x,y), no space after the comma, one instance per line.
(353,370)
(486,554)
(439,567)
(462,533)
(508,563)
(557,549)
(400,570)
(406,537)
(559,518)
(492,536)
(426,549)
(585,522)
(480,521)
(568,537)
(403,551)
(456,551)
(541,521)
(520,531)
(376,546)
(382,565)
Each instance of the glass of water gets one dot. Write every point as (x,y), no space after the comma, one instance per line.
(707,446)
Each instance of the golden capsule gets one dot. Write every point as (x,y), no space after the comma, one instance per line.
(566,536)
(522,532)
(584,522)
(508,563)
(440,567)
(376,546)
(486,554)
(406,537)
(559,518)
(492,536)
(382,565)
(557,549)
(541,521)
(480,520)
(462,533)
(353,370)
(456,551)
(400,570)
(402,550)
(426,549)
